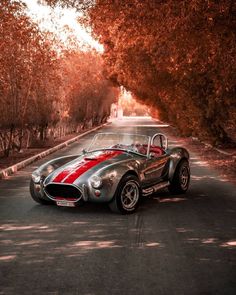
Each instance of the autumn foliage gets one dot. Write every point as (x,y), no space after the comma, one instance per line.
(45,91)
(88,95)
(179,57)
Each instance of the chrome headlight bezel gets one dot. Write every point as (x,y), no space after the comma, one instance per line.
(96,181)
(36,176)
(42,172)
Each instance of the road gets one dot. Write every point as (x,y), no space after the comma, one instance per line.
(184,245)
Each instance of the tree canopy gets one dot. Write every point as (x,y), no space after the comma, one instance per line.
(178,56)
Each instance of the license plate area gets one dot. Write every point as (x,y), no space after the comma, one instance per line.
(64,203)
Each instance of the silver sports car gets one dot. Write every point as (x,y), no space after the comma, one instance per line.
(117,169)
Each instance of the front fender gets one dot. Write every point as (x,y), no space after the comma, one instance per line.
(58,162)
(176,155)
(55,163)
(42,172)
(111,176)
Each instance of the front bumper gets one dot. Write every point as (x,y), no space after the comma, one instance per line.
(59,191)
(85,192)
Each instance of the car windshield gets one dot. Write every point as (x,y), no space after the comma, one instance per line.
(130,142)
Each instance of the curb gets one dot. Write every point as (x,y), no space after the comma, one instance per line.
(4,173)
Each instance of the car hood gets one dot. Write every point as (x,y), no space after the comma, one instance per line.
(86,165)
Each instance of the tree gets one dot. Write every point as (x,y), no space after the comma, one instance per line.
(88,94)
(45,87)
(27,75)
(176,55)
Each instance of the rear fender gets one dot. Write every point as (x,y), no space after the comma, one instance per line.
(177,154)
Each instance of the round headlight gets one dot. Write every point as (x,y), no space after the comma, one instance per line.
(96,181)
(36,177)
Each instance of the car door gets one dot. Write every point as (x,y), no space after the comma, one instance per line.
(156,164)
(155,169)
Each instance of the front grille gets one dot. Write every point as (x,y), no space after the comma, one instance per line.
(63,191)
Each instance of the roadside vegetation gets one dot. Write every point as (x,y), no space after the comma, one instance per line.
(178,57)
(46,91)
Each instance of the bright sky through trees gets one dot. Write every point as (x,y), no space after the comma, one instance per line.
(63,22)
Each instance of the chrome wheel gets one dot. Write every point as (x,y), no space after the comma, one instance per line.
(184,177)
(130,195)
(127,196)
(180,182)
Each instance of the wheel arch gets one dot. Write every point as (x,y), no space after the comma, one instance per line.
(177,155)
(121,177)
(112,176)
(116,203)
(131,172)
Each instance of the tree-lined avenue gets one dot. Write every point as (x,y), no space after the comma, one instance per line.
(171,245)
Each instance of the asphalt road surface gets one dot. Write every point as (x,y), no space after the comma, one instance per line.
(184,245)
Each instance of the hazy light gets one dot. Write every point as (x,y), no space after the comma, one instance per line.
(63,23)
(126,95)
(7,258)
(152,244)
(229,244)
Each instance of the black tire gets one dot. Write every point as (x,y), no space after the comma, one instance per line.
(36,196)
(119,202)
(180,182)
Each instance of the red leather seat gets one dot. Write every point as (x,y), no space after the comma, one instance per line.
(142,149)
(158,151)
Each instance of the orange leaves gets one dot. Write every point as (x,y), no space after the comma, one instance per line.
(88,94)
(26,60)
(184,49)
(42,86)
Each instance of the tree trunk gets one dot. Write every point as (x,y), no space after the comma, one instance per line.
(9,146)
(28,139)
(41,133)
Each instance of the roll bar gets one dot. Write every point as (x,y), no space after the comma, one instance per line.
(163,140)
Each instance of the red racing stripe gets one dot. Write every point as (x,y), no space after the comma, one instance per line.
(69,169)
(90,164)
(70,174)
